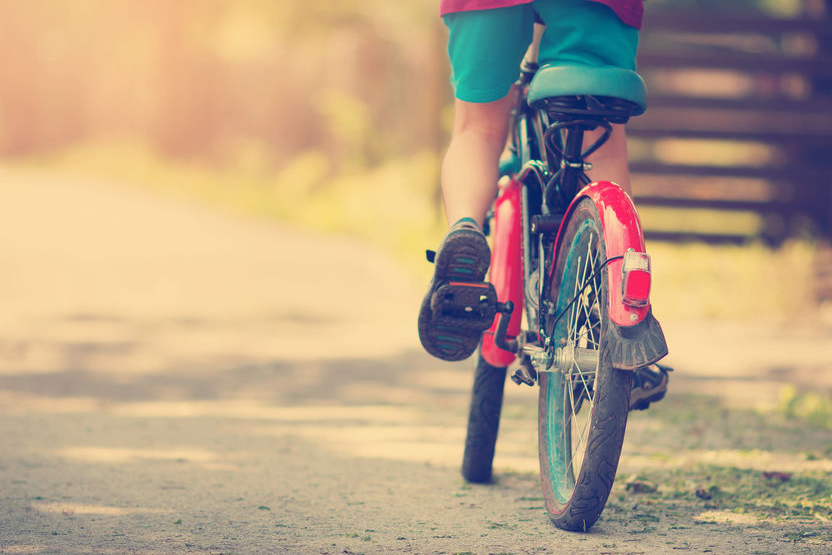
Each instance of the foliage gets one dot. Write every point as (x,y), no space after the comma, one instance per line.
(391,204)
(812,407)
(694,280)
(325,113)
(193,78)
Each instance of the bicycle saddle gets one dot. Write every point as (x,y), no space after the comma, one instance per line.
(575,80)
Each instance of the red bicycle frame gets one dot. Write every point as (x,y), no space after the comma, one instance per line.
(506,273)
(622,233)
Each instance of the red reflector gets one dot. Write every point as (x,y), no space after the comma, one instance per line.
(635,283)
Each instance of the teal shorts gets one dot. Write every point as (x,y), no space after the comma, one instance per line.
(485,47)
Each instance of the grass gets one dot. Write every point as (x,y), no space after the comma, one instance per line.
(717,464)
(812,407)
(714,492)
(737,282)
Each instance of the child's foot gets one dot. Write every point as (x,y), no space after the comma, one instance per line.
(461,264)
(649,386)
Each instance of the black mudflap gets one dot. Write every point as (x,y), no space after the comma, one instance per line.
(636,346)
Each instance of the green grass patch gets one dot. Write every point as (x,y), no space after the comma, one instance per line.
(734,282)
(700,489)
(698,462)
(812,407)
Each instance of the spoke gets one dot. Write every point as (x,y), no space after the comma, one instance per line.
(592,257)
(586,391)
(585,334)
(568,376)
(573,312)
(579,434)
(568,414)
(582,332)
(573,337)
(588,329)
(578,308)
(582,434)
(573,420)
(587,267)
(580,375)
(595,323)
(580,302)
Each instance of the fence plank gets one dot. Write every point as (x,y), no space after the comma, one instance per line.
(747,79)
(681,21)
(749,63)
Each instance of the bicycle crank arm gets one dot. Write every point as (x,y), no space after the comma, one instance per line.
(501,334)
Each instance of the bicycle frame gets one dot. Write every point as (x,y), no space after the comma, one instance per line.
(523,212)
(569,255)
(507,269)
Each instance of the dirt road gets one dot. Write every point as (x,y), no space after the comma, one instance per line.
(178,380)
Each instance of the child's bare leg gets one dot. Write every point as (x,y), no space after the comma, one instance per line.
(469,170)
(609,163)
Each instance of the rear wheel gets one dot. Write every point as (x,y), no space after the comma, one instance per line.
(483,421)
(583,400)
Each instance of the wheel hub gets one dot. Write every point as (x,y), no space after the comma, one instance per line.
(566,360)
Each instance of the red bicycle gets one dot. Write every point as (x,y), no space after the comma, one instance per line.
(570,256)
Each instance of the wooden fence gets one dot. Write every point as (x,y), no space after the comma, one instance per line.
(737,140)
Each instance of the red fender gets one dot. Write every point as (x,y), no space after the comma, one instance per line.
(506,273)
(622,231)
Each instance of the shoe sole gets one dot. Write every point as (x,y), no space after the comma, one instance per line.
(652,395)
(464,257)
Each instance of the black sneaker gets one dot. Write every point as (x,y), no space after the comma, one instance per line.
(461,264)
(649,386)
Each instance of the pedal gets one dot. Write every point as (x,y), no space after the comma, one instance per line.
(465,305)
(521,376)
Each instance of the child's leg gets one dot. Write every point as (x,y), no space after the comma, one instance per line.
(469,170)
(469,184)
(609,163)
(485,48)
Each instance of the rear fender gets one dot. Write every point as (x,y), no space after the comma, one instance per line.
(635,336)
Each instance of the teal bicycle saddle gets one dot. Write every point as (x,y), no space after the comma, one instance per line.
(572,80)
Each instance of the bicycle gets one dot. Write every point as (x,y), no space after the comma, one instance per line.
(570,255)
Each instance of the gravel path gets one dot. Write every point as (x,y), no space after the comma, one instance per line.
(178,380)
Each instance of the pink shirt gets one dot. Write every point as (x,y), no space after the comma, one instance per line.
(630,11)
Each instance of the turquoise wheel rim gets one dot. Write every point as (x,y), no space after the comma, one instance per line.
(570,395)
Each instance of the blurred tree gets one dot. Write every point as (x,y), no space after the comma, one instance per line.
(186,118)
(40,94)
(202,77)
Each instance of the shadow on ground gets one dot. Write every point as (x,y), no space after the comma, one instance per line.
(361,456)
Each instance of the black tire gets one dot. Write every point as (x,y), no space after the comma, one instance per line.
(483,421)
(582,413)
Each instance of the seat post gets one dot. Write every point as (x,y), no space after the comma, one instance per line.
(572,162)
